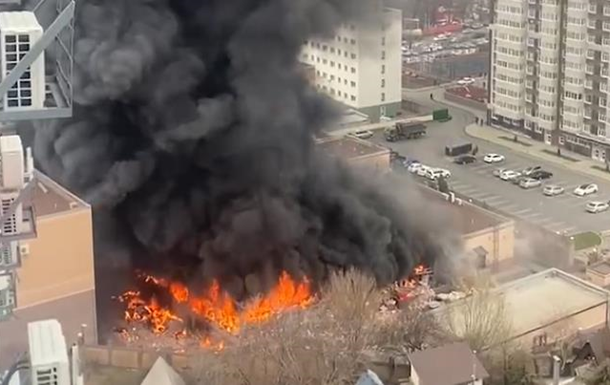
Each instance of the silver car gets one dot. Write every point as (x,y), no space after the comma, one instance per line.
(530,183)
(552,190)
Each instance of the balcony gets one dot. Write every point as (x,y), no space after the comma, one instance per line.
(8,301)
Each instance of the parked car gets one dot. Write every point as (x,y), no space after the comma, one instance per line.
(509,175)
(552,190)
(530,170)
(497,172)
(435,173)
(406,162)
(586,189)
(493,158)
(530,183)
(423,169)
(465,159)
(597,207)
(518,179)
(414,167)
(365,134)
(541,174)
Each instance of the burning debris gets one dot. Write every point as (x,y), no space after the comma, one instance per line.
(160,304)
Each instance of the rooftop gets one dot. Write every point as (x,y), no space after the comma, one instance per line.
(19,22)
(447,365)
(350,148)
(602,268)
(49,198)
(538,300)
(466,218)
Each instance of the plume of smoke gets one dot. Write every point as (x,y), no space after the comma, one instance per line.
(193,135)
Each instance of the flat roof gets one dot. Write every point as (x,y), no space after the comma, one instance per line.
(49,198)
(47,343)
(350,148)
(541,299)
(602,268)
(467,218)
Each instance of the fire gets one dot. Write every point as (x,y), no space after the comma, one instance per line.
(215,306)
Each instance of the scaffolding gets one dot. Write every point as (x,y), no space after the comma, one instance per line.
(57,42)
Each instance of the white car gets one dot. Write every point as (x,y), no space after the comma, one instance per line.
(366,134)
(466,81)
(423,169)
(493,158)
(552,190)
(586,189)
(597,207)
(414,167)
(435,173)
(509,175)
(497,172)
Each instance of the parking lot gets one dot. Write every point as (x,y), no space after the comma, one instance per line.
(563,214)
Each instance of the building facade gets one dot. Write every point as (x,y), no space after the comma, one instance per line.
(361,65)
(549,72)
(54,276)
(19,31)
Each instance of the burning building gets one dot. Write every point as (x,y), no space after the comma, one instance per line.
(192,140)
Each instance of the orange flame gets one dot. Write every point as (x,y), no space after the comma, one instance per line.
(214,305)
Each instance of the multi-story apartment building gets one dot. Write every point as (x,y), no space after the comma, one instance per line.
(549,72)
(46,260)
(361,65)
(19,31)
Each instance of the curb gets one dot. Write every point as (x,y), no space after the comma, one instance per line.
(534,156)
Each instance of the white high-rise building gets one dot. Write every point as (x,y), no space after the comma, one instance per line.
(549,72)
(19,31)
(361,65)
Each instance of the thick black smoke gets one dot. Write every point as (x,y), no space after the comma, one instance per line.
(192,138)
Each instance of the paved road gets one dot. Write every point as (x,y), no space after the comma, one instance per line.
(564,214)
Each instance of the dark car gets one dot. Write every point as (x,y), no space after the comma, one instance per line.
(465,159)
(518,179)
(409,161)
(541,174)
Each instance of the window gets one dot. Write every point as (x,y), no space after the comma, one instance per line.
(382,83)
(382,55)
(352,41)
(332,63)
(353,84)
(353,56)
(332,50)
(383,96)
(353,98)
(383,69)
(383,40)
(353,70)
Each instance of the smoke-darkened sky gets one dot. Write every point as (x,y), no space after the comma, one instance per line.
(192,138)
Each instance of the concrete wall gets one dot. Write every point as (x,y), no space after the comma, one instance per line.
(60,260)
(597,278)
(374,112)
(504,234)
(589,319)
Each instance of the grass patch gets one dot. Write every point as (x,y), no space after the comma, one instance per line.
(586,240)
(599,168)
(562,156)
(511,139)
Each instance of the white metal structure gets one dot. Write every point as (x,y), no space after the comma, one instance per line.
(49,362)
(50,88)
(19,31)
(361,65)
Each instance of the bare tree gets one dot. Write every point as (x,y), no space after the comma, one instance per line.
(480,319)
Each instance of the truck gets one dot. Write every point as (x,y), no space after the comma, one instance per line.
(401,131)
(459,148)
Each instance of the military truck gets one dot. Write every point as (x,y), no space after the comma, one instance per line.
(401,131)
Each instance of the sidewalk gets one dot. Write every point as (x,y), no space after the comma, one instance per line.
(536,149)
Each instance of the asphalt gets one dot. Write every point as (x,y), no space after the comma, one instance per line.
(562,214)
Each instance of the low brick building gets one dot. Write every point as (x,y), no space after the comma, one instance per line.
(357,152)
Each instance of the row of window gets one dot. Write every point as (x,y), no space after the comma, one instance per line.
(510,65)
(334,92)
(509,37)
(509,79)
(507,92)
(332,77)
(508,51)
(509,9)
(507,105)
(510,23)
(577,5)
